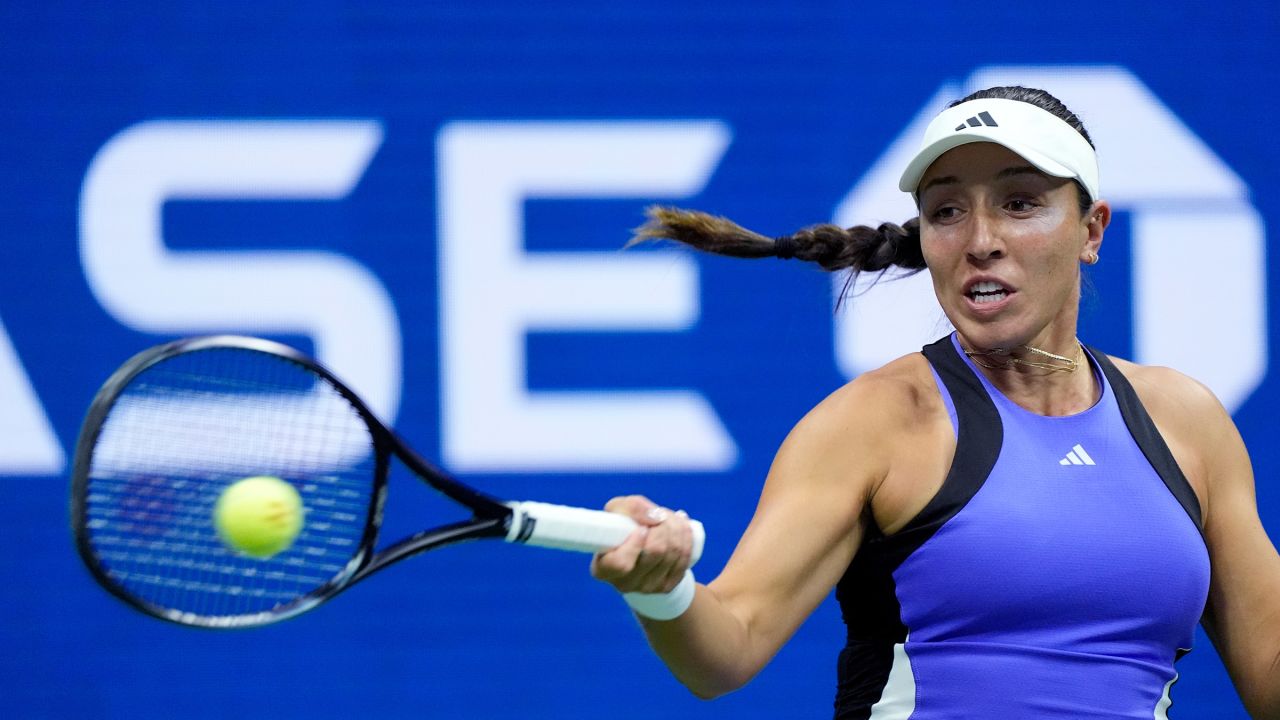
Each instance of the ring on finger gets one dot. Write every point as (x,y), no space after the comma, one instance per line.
(658,515)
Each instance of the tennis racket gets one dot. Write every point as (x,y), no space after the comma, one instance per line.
(179,423)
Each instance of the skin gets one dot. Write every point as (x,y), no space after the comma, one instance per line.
(880,447)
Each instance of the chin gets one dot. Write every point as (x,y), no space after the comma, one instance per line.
(990,338)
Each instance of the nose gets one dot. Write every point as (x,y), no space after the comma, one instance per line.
(984,241)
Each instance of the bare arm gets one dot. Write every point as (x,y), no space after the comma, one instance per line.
(1243,613)
(806,529)
(1243,616)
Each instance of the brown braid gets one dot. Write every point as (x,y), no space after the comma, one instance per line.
(858,248)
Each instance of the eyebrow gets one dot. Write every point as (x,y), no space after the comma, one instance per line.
(944,180)
(1017,170)
(1002,175)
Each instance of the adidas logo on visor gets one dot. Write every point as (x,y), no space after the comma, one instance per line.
(982,118)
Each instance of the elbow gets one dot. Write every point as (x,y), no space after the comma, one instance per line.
(708,692)
(710,688)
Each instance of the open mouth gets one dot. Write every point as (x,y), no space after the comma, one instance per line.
(987,292)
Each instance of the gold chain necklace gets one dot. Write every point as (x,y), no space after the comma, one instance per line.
(1068,365)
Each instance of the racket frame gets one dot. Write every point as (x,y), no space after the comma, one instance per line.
(491,518)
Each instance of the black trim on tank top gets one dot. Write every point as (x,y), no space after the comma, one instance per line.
(863,670)
(979,439)
(866,592)
(1144,432)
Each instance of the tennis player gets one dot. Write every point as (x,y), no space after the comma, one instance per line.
(1016,525)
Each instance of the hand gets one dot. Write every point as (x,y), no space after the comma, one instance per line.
(655,556)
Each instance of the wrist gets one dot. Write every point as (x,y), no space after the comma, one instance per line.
(667,605)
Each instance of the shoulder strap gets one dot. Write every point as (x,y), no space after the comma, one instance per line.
(980,435)
(866,592)
(1144,432)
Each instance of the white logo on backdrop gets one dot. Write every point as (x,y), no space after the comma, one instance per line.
(145,285)
(150,287)
(493,292)
(27,442)
(1198,244)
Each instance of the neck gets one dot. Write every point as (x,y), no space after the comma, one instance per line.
(1028,357)
(1047,382)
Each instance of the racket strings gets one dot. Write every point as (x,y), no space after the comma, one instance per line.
(184,430)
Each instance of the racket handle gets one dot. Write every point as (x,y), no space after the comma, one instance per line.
(578,529)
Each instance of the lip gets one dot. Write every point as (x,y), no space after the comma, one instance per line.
(987,308)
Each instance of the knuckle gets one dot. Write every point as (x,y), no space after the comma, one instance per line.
(657,546)
(612,567)
(617,503)
(636,507)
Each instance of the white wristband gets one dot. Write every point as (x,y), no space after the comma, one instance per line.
(664,606)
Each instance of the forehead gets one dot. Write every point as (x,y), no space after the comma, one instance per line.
(972,162)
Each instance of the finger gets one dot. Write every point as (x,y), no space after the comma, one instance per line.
(658,579)
(679,538)
(639,508)
(617,563)
(656,515)
(665,557)
(653,561)
(683,541)
(651,569)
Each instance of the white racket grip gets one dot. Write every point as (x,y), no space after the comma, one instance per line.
(578,529)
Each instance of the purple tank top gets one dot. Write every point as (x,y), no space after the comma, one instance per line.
(1059,572)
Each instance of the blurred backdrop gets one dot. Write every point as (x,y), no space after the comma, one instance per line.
(431,197)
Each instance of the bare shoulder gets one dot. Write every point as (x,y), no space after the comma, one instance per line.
(1170,396)
(859,432)
(880,402)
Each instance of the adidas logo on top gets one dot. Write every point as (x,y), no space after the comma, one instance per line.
(1077,456)
(982,118)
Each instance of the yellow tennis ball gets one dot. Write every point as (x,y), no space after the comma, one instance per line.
(259,516)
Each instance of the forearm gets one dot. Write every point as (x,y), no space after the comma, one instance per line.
(1268,705)
(707,648)
(1250,650)
(806,529)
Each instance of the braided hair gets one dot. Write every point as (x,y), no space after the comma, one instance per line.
(858,249)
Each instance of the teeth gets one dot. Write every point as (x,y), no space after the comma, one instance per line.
(987,292)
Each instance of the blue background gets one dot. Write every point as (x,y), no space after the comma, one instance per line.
(813,93)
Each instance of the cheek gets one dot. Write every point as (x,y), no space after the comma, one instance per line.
(1058,268)
(1050,245)
(933,248)
(1046,228)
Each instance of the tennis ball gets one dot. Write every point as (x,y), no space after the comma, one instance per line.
(258,516)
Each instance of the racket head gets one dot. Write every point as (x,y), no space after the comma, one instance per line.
(179,423)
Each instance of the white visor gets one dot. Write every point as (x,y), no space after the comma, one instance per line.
(1040,137)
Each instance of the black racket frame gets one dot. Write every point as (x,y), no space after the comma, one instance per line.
(491,518)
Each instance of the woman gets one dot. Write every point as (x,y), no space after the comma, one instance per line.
(1015,526)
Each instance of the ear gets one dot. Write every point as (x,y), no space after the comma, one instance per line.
(1095,222)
